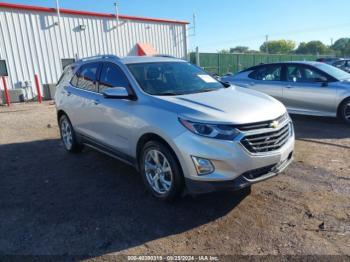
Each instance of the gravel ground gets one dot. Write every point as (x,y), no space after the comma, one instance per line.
(52,202)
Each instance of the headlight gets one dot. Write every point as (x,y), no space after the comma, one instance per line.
(224,132)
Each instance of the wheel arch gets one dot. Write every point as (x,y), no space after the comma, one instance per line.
(341,104)
(154,137)
(60,113)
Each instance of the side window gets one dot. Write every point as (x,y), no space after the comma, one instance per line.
(112,76)
(299,73)
(340,63)
(66,75)
(85,78)
(267,73)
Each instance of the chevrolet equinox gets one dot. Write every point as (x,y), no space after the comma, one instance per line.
(176,124)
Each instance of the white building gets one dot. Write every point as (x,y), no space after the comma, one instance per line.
(36,40)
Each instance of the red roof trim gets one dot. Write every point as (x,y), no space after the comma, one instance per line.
(87,13)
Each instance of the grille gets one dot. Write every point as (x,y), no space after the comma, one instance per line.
(267,142)
(261,125)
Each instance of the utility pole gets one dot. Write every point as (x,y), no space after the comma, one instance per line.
(331,41)
(267,44)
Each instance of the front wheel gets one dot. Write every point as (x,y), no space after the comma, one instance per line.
(160,171)
(344,111)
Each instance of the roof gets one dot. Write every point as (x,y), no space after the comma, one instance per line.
(87,13)
(148,59)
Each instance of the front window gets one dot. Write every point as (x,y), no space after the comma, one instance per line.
(173,78)
(299,73)
(333,71)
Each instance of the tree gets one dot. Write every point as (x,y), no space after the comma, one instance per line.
(223,51)
(239,49)
(278,46)
(313,48)
(342,46)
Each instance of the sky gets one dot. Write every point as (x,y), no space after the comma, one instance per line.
(221,24)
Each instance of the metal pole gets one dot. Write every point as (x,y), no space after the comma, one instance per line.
(7,97)
(198,63)
(38,91)
(267,44)
(116,12)
(58,12)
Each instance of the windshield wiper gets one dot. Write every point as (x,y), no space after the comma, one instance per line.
(168,94)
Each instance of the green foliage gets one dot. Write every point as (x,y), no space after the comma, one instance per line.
(313,48)
(239,49)
(342,46)
(278,46)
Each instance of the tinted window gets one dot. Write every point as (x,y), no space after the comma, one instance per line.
(86,76)
(299,73)
(267,73)
(66,75)
(112,76)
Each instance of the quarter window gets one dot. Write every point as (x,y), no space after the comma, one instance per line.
(85,78)
(267,73)
(112,76)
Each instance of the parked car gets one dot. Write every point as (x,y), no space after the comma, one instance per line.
(328,60)
(308,88)
(343,65)
(176,124)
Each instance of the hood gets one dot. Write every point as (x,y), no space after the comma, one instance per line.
(233,105)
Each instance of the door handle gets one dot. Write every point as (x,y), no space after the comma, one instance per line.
(67,93)
(96,102)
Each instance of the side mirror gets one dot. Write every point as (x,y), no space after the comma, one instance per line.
(116,93)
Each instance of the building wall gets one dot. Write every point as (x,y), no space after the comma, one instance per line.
(31,42)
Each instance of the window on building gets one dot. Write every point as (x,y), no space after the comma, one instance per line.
(67,61)
(3,68)
(112,76)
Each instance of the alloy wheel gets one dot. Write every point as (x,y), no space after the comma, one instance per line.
(158,171)
(67,134)
(347,112)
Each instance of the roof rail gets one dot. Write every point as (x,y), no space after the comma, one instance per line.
(98,57)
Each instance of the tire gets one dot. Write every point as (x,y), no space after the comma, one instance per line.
(344,111)
(164,178)
(68,135)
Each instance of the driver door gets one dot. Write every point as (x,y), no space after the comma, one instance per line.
(308,91)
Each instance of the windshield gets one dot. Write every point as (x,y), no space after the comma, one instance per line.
(333,71)
(173,78)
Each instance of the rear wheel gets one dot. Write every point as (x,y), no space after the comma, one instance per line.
(161,171)
(68,135)
(344,111)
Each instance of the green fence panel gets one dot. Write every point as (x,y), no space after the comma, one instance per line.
(233,63)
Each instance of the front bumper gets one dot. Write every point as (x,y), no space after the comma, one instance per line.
(244,180)
(235,166)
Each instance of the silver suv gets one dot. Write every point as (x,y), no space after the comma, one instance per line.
(177,125)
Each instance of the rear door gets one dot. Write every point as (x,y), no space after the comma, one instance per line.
(84,98)
(267,79)
(308,91)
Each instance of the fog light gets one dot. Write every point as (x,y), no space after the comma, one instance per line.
(203,166)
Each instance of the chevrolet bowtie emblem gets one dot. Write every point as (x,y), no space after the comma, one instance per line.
(274,124)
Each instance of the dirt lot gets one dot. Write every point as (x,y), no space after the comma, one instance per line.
(52,202)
